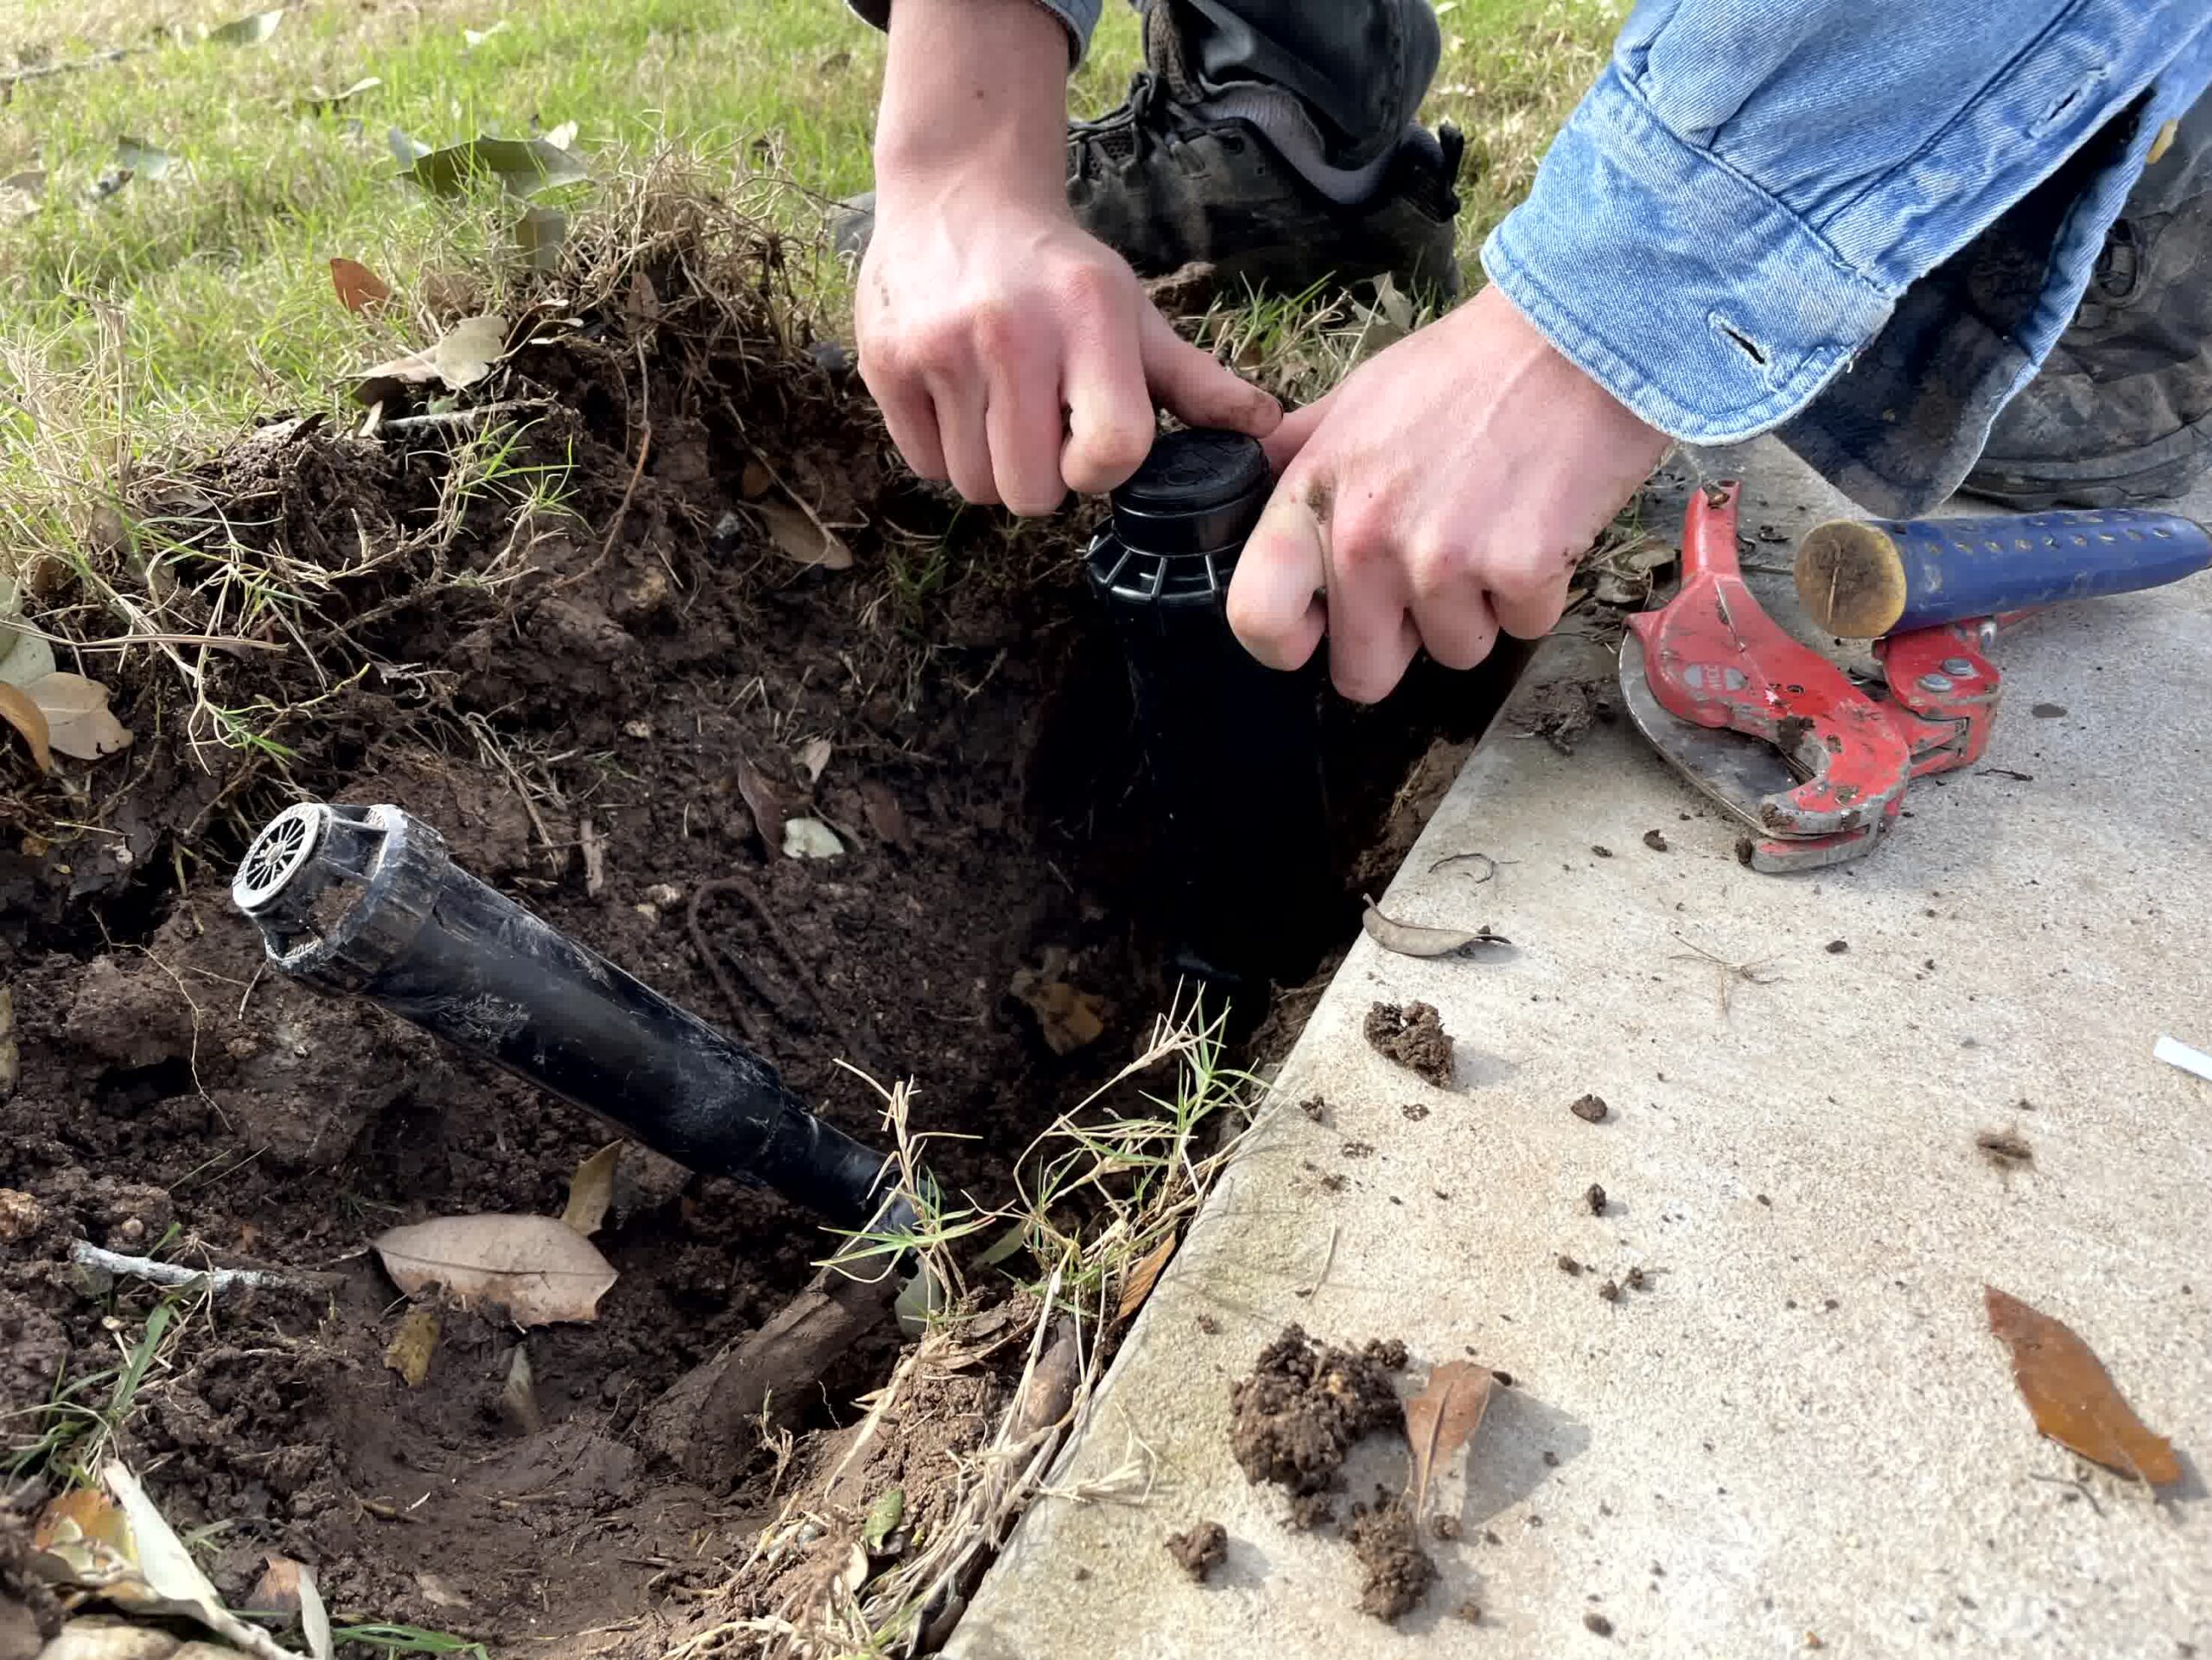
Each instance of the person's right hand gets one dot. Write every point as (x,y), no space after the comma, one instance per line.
(1012,353)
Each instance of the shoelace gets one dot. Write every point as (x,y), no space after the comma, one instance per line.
(1148,116)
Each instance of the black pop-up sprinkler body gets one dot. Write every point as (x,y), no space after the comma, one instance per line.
(365,901)
(1232,747)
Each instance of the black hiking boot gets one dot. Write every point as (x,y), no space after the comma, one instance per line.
(1165,187)
(2122,411)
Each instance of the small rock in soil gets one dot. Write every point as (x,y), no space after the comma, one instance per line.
(1398,1571)
(1568,1265)
(1590,1109)
(1200,1550)
(1597,1622)
(1655,840)
(1414,1036)
(1838,947)
(1303,1405)
(1596,1199)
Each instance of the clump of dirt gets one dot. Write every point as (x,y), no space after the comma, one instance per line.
(1396,1572)
(1200,1550)
(1414,1036)
(1590,1109)
(1303,1404)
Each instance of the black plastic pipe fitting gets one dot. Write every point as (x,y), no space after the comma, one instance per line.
(366,900)
(1232,747)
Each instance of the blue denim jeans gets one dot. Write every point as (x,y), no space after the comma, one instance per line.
(1863,223)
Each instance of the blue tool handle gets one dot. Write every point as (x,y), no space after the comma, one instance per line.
(1865,578)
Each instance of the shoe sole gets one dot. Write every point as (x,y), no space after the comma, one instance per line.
(2157,472)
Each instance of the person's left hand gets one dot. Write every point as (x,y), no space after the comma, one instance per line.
(1443,493)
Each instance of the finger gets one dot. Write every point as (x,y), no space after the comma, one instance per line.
(1110,419)
(959,407)
(1283,444)
(1277,604)
(1371,636)
(1195,388)
(1456,623)
(911,418)
(1530,609)
(1021,424)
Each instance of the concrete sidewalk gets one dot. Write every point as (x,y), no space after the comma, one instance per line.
(1802,1434)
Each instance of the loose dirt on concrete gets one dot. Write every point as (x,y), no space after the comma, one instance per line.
(565,696)
(1413,1036)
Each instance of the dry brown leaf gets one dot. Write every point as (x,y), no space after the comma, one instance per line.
(1145,1275)
(813,758)
(591,1190)
(19,712)
(1069,1019)
(1412,940)
(359,288)
(78,722)
(278,1590)
(412,1346)
(2072,1397)
(1443,1416)
(760,798)
(796,536)
(460,357)
(537,1268)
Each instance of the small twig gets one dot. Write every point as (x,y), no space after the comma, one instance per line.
(1491,866)
(804,975)
(740,1011)
(1750,972)
(86,1254)
(1328,1261)
(446,418)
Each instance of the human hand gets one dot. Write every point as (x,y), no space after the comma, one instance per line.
(1443,493)
(1010,352)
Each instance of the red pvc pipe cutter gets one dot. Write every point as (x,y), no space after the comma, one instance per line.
(1832,778)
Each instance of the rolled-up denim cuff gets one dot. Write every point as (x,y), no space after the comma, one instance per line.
(1079,17)
(1687,291)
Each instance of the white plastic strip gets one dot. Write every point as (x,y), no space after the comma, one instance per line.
(2175,1054)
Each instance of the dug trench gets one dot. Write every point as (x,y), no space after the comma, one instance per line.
(603,706)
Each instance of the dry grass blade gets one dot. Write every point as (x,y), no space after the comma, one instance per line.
(1443,1417)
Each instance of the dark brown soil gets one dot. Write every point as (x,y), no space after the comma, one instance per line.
(1200,1550)
(569,698)
(1303,1404)
(1414,1036)
(1396,1572)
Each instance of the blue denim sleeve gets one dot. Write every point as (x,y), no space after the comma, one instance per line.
(1081,17)
(1731,211)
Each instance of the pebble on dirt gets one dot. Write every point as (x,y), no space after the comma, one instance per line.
(1200,1550)
(1655,840)
(1596,1199)
(1838,947)
(1597,1623)
(1590,1109)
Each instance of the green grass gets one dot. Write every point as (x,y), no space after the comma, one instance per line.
(220,268)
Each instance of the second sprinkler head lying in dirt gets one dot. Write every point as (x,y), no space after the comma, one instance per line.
(365,901)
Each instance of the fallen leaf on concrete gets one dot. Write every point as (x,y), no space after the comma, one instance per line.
(1443,1417)
(809,838)
(760,798)
(29,719)
(78,722)
(1145,1275)
(537,1268)
(798,536)
(412,1346)
(1412,940)
(591,1190)
(1069,1019)
(2074,1399)
(460,358)
(359,288)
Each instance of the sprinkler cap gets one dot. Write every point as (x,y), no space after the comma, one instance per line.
(1199,490)
(338,892)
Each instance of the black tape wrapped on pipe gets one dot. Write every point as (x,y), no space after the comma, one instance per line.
(365,901)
